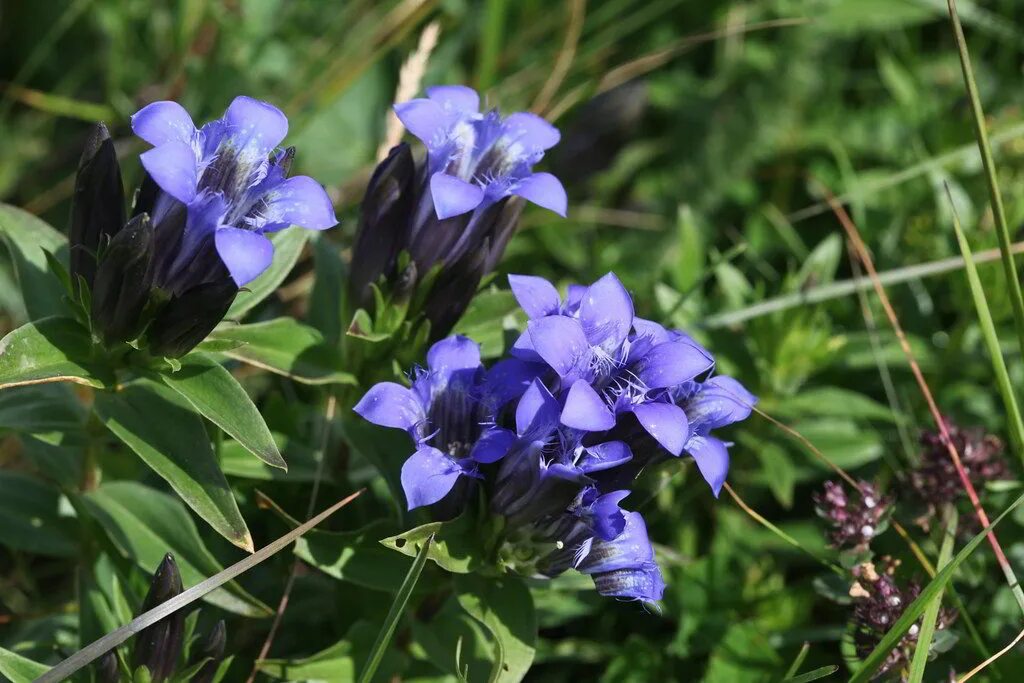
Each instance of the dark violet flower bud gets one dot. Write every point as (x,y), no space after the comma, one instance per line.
(107,668)
(458,208)
(185,320)
(855,518)
(158,647)
(97,207)
(211,647)
(122,284)
(935,480)
(222,188)
(624,566)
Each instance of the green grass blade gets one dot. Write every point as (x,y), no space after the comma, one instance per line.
(805,649)
(491,40)
(817,674)
(874,660)
(1015,424)
(931,614)
(397,608)
(990,175)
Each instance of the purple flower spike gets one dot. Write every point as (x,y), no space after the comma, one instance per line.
(477,159)
(234,188)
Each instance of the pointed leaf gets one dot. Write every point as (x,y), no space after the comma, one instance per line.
(151,420)
(288,246)
(27,239)
(221,399)
(18,669)
(31,519)
(456,545)
(503,605)
(50,350)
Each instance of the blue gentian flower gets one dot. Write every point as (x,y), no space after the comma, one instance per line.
(232,182)
(449,411)
(600,394)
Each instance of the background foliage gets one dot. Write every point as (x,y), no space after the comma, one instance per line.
(700,186)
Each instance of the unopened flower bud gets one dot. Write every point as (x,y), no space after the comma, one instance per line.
(186,320)
(107,669)
(97,207)
(158,647)
(210,648)
(122,282)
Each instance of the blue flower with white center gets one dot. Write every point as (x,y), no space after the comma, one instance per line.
(233,187)
(449,412)
(477,159)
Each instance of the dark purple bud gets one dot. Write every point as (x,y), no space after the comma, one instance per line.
(211,648)
(384,219)
(97,207)
(185,320)
(122,283)
(452,292)
(854,518)
(158,647)
(107,669)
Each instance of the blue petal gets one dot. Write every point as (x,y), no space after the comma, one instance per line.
(535,295)
(721,401)
(459,98)
(651,330)
(391,405)
(173,167)
(425,119)
(453,196)
(607,517)
(560,341)
(630,548)
(530,131)
(604,456)
(537,412)
(544,190)
(162,122)
(635,583)
(666,422)
(606,313)
(255,126)
(300,201)
(245,253)
(672,363)
(712,458)
(493,445)
(585,409)
(522,349)
(453,354)
(428,476)
(508,379)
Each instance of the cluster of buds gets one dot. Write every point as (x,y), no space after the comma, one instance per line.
(158,648)
(854,519)
(556,434)
(879,600)
(197,230)
(441,224)
(935,480)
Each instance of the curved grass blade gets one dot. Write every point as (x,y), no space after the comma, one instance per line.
(91,652)
(815,675)
(397,608)
(931,614)
(874,660)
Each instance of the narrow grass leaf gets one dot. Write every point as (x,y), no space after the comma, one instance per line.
(817,674)
(931,614)
(397,609)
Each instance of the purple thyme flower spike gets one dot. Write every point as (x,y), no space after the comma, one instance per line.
(233,184)
(477,159)
(449,412)
(855,519)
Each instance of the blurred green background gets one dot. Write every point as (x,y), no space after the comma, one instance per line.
(696,175)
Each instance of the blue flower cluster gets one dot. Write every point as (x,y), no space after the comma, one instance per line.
(557,433)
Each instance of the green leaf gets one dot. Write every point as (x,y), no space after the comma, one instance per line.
(27,239)
(42,408)
(505,607)
(816,674)
(303,464)
(489,316)
(145,524)
(50,350)
(151,420)
(19,669)
(913,612)
(221,399)
(931,614)
(327,301)
(288,244)
(456,545)
(831,401)
(387,631)
(354,556)
(31,519)
(286,347)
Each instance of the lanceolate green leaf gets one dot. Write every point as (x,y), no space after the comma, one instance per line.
(931,614)
(50,350)
(288,244)
(456,544)
(27,239)
(503,605)
(149,418)
(145,524)
(286,347)
(221,399)
(30,517)
(913,612)
(18,669)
